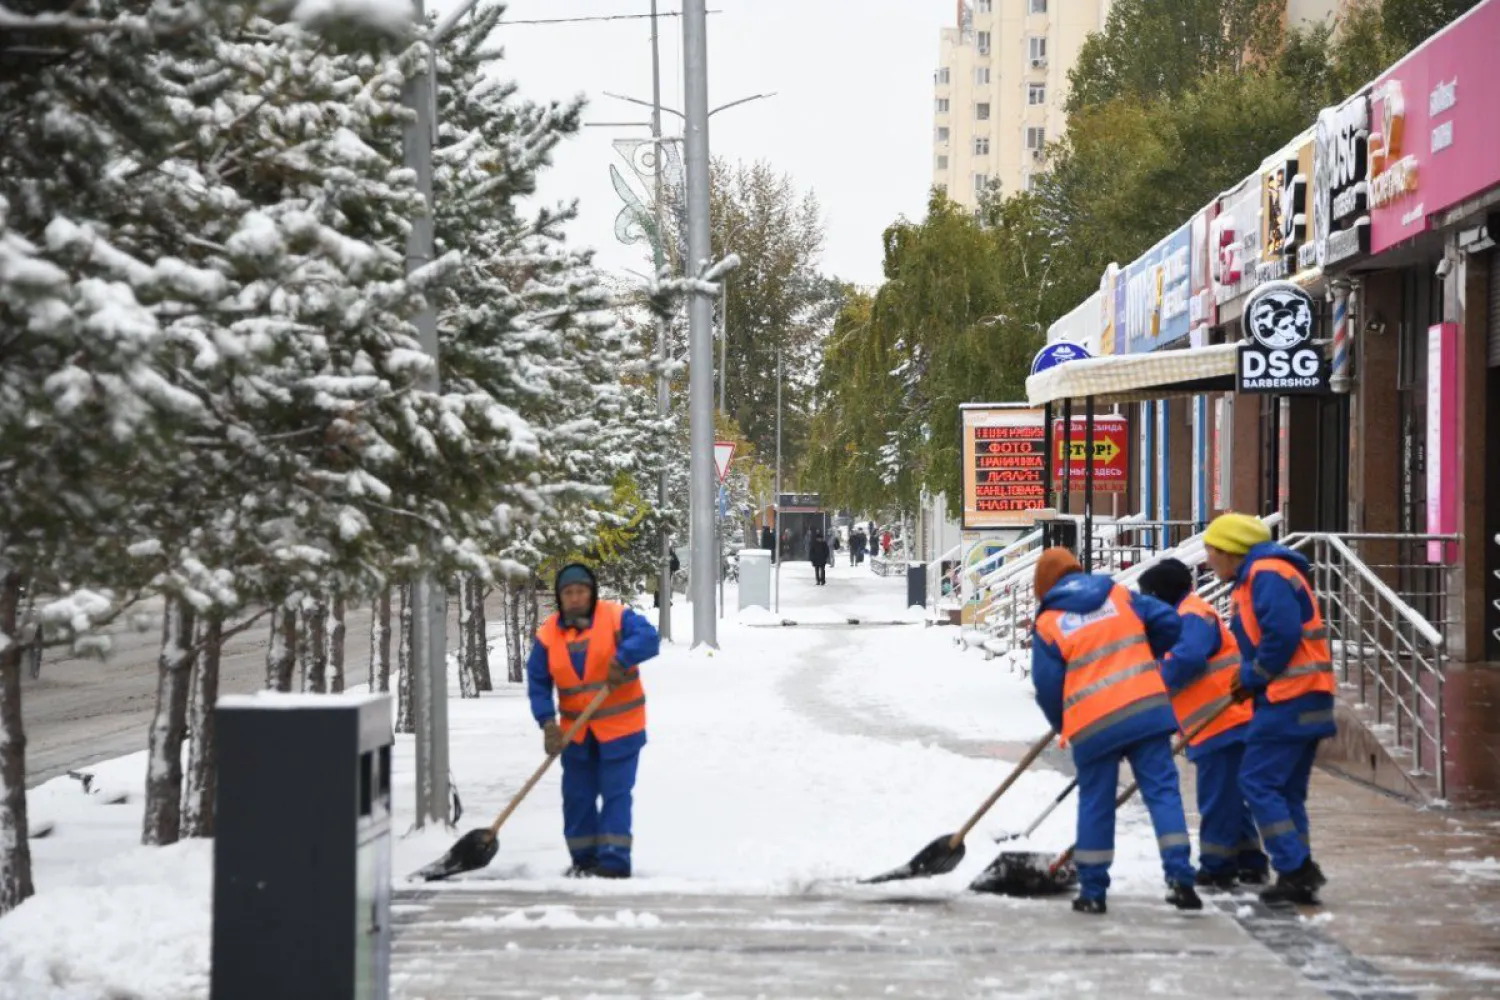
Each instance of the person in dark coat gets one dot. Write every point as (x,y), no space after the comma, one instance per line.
(819,556)
(675,564)
(768,541)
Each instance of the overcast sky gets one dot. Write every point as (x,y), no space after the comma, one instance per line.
(851,118)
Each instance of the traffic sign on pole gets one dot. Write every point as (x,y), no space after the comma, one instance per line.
(723,455)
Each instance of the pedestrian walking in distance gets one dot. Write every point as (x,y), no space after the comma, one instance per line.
(1287,667)
(1094,664)
(820,557)
(587,646)
(1199,672)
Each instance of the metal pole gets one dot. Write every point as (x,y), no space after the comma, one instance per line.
(663,388)
(1088,485)
(1048,470)
(776,539)
(700,324)
(723,343)
(429,638)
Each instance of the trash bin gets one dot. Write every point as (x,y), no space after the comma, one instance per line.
(302,848)
(755,578)
(916,585)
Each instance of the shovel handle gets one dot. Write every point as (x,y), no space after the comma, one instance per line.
(536,775)
(1130,789)
(1022,765)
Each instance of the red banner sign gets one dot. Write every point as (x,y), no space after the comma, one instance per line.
(1111,454)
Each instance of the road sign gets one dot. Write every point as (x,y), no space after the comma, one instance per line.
(723,455)
(1111,454)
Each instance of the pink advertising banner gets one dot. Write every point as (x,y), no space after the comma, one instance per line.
(1442,439)
(1435,128)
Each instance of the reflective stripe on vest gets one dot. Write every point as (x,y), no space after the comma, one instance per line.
(1111,674)
(1198,702)
(624,711)
(1310,670)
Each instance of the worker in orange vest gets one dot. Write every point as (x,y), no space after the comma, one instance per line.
(587,646)
(1287,666)
(1199,672)
(1093,662)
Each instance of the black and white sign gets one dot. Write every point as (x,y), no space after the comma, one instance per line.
(1341,219)
(1278,355)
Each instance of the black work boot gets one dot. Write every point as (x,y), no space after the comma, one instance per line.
(1089,904)
(1183,896)
(1222,881)
(1294,888)
(1317,873)
(1253,876)
(579,871)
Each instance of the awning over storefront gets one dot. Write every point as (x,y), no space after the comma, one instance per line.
(1135,377)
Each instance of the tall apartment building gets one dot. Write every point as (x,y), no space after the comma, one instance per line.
(1000,87)
(1002,81)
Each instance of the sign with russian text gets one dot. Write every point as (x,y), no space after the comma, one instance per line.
(1341,219)
(1004,460)
(1111,454)
(1435,128)
(1234,239)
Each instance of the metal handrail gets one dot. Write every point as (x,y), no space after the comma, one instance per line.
(1496,602)
(1405,610)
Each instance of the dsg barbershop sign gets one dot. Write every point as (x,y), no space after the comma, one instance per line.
(1278,355)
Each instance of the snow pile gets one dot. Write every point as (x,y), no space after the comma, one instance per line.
(132,925)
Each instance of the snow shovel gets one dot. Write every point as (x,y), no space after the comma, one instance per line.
(478,847)
(1033,873)
(944,854)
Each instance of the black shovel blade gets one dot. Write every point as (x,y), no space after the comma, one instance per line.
(472,852)
(1026,873)
(937,858)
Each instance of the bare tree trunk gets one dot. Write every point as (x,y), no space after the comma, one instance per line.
(404,720)
(533,612)
(335,655)
(467,688)
(203,755)
(163,820)
(515,665)
(281,656)
(15,849)
(482,632)
(380,642)
(314,645)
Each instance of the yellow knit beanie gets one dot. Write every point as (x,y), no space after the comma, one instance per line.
(1236,533)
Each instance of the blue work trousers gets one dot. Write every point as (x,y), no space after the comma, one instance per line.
(1098,781)
(1227,841)
(1273,778)
(596,794)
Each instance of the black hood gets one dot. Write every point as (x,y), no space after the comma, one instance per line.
(593,588)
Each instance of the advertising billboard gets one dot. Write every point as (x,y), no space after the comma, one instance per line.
(1003,450)
(1435,128)
(1156,294)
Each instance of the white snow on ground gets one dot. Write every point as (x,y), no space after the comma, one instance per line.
(793,758)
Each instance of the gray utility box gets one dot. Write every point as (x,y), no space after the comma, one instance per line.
(755,578)
(916,585)
(302,848)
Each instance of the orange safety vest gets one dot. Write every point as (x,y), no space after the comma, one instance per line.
(624,711)
(1111,673)
(1201,699)
(1310,669)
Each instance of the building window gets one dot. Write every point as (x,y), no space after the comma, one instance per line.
(942,133)
(941,77)
(981,145)
(982,112)
(982,38)
(1037,45)
(984,7)
(981,182)
(1039,6)
(982,75)
(942,163)
(1036,93)
(1036,137)
(942,105)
